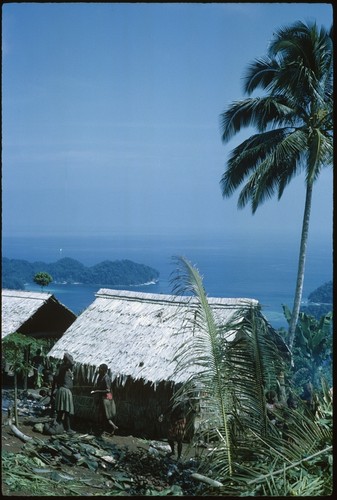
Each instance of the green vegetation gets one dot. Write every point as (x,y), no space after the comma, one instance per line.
(19,475)
(250,454)
(117,273)
(16,350)
(312,352)
(42,279)
(294,124)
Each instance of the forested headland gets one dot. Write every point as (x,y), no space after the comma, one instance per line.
(319,301)
(17,272)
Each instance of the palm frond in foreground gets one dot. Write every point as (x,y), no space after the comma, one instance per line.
(231,367)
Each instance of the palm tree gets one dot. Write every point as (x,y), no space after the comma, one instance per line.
(230,368)
(294,124)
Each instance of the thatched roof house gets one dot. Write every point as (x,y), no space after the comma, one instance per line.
(34,314)
(136,335)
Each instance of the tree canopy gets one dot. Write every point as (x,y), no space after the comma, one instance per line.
(42,279)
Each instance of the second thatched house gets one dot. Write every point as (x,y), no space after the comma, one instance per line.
(137,336)
(34,314)
(38,315)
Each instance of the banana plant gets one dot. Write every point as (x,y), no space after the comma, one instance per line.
(312,348)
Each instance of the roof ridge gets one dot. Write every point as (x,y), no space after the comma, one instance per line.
(107,293)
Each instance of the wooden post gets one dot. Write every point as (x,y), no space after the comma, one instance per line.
(27,356)
(16,420)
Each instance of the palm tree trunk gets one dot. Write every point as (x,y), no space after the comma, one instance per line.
(301,266)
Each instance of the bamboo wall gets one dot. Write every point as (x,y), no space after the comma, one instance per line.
(138,406)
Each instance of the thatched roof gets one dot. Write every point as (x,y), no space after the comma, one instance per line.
(33,313)
(136,334)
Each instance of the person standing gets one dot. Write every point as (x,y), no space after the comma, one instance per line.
(309,399)
(176,414)
(38,365)
(63,383)
(104,401)
(271,405)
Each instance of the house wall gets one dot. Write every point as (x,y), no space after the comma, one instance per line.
(138,406)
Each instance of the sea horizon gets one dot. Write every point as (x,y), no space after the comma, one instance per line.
(262,270)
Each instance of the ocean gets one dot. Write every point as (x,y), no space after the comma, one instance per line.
(231,267)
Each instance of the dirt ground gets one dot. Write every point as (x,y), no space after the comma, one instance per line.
(138,467)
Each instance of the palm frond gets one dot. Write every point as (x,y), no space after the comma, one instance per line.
(320,153)
(254,361)
(260,73)
(275,110)
(248,157)
(269,160)
(304,54)
(231,375)
(236,363)
(205,350)
(294,42)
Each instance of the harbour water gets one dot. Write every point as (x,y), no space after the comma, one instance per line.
(265,270)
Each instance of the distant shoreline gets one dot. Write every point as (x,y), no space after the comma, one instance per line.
(60,283)
(68,271)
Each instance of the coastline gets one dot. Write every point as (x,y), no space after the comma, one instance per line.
(100,285)
(228,268)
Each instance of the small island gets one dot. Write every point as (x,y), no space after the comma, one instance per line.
(17,272)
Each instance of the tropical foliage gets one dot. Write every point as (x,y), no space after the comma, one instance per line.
(13,347)
(42,279)
(249,454)
(16,350)
(312,352)
(294,124)
(19,474)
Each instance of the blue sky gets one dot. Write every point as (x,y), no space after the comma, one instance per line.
(110,118)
